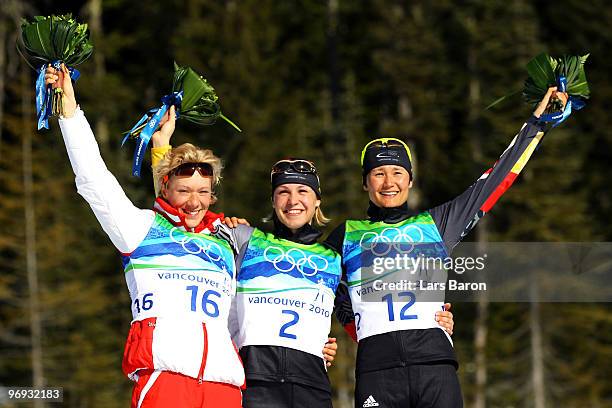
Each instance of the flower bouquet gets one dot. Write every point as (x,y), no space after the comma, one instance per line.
(566,73)
(53,40)
(194,99)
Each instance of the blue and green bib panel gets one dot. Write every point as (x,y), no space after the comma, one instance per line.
(391,274)
(285,293)
(175,273)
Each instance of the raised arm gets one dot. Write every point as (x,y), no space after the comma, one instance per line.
(457,217)
(161,142)
(125,224)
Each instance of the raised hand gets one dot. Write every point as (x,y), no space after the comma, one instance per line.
(61,79)
(162,136)
(550,94)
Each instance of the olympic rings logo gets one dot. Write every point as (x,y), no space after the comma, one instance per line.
(195,246)
(296,258)
(400,239)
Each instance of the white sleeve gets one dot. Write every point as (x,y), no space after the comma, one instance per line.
(125,224)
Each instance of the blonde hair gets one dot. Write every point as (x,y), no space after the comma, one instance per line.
(187,153)
(320,219)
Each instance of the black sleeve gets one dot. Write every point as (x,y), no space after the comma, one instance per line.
(335,240)
(457,217)
(343,308)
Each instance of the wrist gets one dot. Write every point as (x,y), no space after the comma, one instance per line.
(69,111)
(163,148)
(159,142)
(69,108)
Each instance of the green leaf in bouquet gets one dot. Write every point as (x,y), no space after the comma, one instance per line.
(51,39)
(568,67)
(196,90)
(572,67)
(54,38)
(553,63)
(200,102)
(36,41)
(544,71)
(541,71)
(531,92)
(60,34)
(541,75)
(502,99)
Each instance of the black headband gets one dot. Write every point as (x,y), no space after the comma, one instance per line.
(308,179)
(376,156)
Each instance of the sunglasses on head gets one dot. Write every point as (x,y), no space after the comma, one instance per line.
(299,166)
(188,169)
(385,142)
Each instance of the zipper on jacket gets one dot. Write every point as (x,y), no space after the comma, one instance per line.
(283,366)
(204,355)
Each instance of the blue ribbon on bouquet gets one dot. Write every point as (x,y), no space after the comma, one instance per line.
(152,118)
(573,103)
(44,98)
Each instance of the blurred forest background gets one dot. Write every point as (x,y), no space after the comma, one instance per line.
(315,79)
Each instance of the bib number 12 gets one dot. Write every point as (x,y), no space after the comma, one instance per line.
(402,315)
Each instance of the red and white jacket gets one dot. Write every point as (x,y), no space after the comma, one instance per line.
(181,282)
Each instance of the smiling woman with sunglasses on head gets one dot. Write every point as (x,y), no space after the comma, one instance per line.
(285,296)
(180,277)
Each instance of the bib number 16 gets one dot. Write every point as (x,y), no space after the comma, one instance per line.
(145,303)
(209,306)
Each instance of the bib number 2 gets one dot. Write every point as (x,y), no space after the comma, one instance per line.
(295,317)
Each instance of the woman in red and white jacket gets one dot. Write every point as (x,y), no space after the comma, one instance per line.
(181,277)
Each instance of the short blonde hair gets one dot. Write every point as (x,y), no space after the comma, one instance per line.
(187,153)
